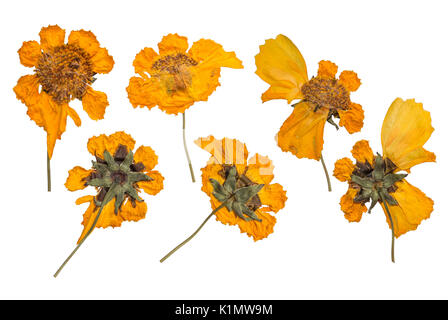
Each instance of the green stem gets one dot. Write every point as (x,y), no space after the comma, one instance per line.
(48,173)
(186,150)
(326,172)
(392,253)
(80,243)
(195,233)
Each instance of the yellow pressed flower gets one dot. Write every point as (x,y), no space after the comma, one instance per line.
(177,77)
(118,174)
(62,72)
(406,128)
(240,189)
(322,98)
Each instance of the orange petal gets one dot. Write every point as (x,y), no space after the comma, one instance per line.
(147,156)
(173,43)
(327,69)
(343,169)
(86,40)
(144,60)
(212,54)
(141,92)
(74,115)
(51,36)
(102,62)
(260,169)
(255,229)
(154,186)
(27,91)
(281,65)
(273,196)
(352,118)
(406,128)
(84,199)
(352,211)
(362,152)
(95,103)
(30,53)
(302,133)
(349,80)
(130,213)
(224,151)
(97,145)
(76,178)
(413,207)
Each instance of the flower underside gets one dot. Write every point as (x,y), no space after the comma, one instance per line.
(375,183)
(65,72)
(173,70)
(238,193)
(117,177)
(327,93)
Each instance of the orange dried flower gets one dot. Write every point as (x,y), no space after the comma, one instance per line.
(240,189)
(118,175)
(62,72)
(323,97)
(406,128)
(176,78)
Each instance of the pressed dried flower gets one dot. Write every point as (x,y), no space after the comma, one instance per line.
(377,178)
(240,189)
(62,72)
(323,98)
(118,174)
(174,79)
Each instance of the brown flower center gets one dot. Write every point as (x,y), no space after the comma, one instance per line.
(173,70)
(327,93)
(65,72)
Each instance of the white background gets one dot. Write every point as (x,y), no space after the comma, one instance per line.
(398,49)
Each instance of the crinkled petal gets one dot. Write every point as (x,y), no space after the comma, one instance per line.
(86,40)
(362,152)
(302,133)
(349,80)
(260,169)
(29,53)
(406,128)
(352,211)
(95,103)
(97,145)
(273,196)
(51,36)
(413,207)
(102,61)
(173,43)
(154,186)
(76,179)
(211,54)
(327,69)
(74,115)
(144,60)
(343,169)
(352,118)
(27,91)
(147,156)
(224,151)
(133,212)
(281,65)
(141,92)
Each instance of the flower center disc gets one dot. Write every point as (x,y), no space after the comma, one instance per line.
(326,93)
(65,72)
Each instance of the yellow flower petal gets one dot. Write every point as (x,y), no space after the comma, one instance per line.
(343,169)
(51,36)
(302,133)
(362,152)
(260,169)
(349,80)
(352,211)
(86,40)
(144,60)
(154,186)
(327,69)
(97,145)
(406,128)
(74,115)
(130,213)
(141,92)
(76,178)
(173,43)
(274,196)
(30,53)
(27,91)
(413,207)
(147,156)
(224,151)
(95,103)
(281,65)
(352,118)
(212,54)
(102,62)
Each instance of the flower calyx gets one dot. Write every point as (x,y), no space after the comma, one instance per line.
(375,184)
(238,193)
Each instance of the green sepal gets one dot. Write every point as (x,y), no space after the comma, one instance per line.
(391,178)
(113,166)
(219,196)
(125,165)
(230,183)
(378,171)
(363,182)
(244,194)
(134,177)
(100,182)
(218,188)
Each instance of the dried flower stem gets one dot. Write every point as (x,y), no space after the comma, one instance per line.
(81,242)
(326,172)
(392,250)
(48,173)
(185,147)
(195,233)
